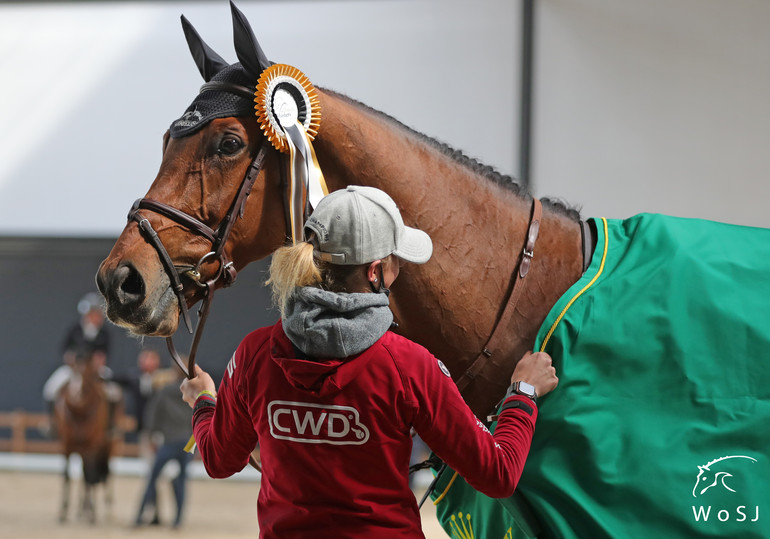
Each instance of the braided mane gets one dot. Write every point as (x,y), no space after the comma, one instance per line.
(474,165)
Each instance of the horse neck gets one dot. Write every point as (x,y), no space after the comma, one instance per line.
(450,305)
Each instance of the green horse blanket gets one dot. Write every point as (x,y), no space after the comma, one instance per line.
(660,425)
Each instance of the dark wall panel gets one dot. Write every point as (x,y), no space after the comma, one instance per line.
(42,280)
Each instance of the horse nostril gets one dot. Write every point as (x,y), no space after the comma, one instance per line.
(129,285)
(101,285)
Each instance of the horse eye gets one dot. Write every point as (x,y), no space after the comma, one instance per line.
(230,145)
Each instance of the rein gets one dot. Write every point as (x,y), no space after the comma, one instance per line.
(495,342)
(218,239)
(588,241)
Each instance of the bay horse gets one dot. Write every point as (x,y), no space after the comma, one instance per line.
(623,411)
(450,305)
(81,414)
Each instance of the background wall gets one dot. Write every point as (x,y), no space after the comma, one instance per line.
(654,106)
(93,87)
(42,281)
(638,106)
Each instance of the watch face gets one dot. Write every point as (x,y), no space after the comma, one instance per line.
(526,389)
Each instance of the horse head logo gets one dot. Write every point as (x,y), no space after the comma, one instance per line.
(708,478)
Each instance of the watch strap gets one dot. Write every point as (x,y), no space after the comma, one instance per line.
(516,403)
(513,389)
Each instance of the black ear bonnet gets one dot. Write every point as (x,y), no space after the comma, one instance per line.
(213,102)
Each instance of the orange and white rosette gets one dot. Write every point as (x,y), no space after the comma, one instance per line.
(285,95)
(289,114)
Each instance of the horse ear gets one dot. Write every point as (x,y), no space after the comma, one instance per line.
(209,62)
(246,45)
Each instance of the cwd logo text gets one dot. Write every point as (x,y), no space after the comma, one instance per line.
(316,423)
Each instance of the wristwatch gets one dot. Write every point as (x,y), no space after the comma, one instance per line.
(522,388)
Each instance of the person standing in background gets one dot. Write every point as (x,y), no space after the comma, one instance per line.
(140,384)
(168,422)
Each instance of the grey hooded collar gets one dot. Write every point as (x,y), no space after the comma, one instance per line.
(335,325)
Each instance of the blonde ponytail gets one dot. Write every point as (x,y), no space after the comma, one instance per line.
(292,267)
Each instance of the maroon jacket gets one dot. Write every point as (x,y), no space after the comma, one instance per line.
(334,435)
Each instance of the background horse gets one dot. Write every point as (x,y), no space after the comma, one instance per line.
(81,413)
(617,440)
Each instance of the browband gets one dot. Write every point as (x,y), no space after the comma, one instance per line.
(222,86)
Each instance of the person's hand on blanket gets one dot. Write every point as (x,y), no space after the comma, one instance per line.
(537,370)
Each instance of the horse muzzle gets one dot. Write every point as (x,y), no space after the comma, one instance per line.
(142,302)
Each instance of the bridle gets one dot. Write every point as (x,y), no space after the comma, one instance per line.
(218,238)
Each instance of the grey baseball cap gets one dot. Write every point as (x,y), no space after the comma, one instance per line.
(358,225)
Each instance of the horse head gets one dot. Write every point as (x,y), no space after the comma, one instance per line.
(198,199)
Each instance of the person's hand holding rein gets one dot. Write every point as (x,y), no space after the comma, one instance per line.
(193,387)
(537,370)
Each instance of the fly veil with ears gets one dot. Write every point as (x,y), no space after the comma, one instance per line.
(286,104)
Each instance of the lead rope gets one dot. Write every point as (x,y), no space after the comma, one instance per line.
(226,268)
(229,273)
